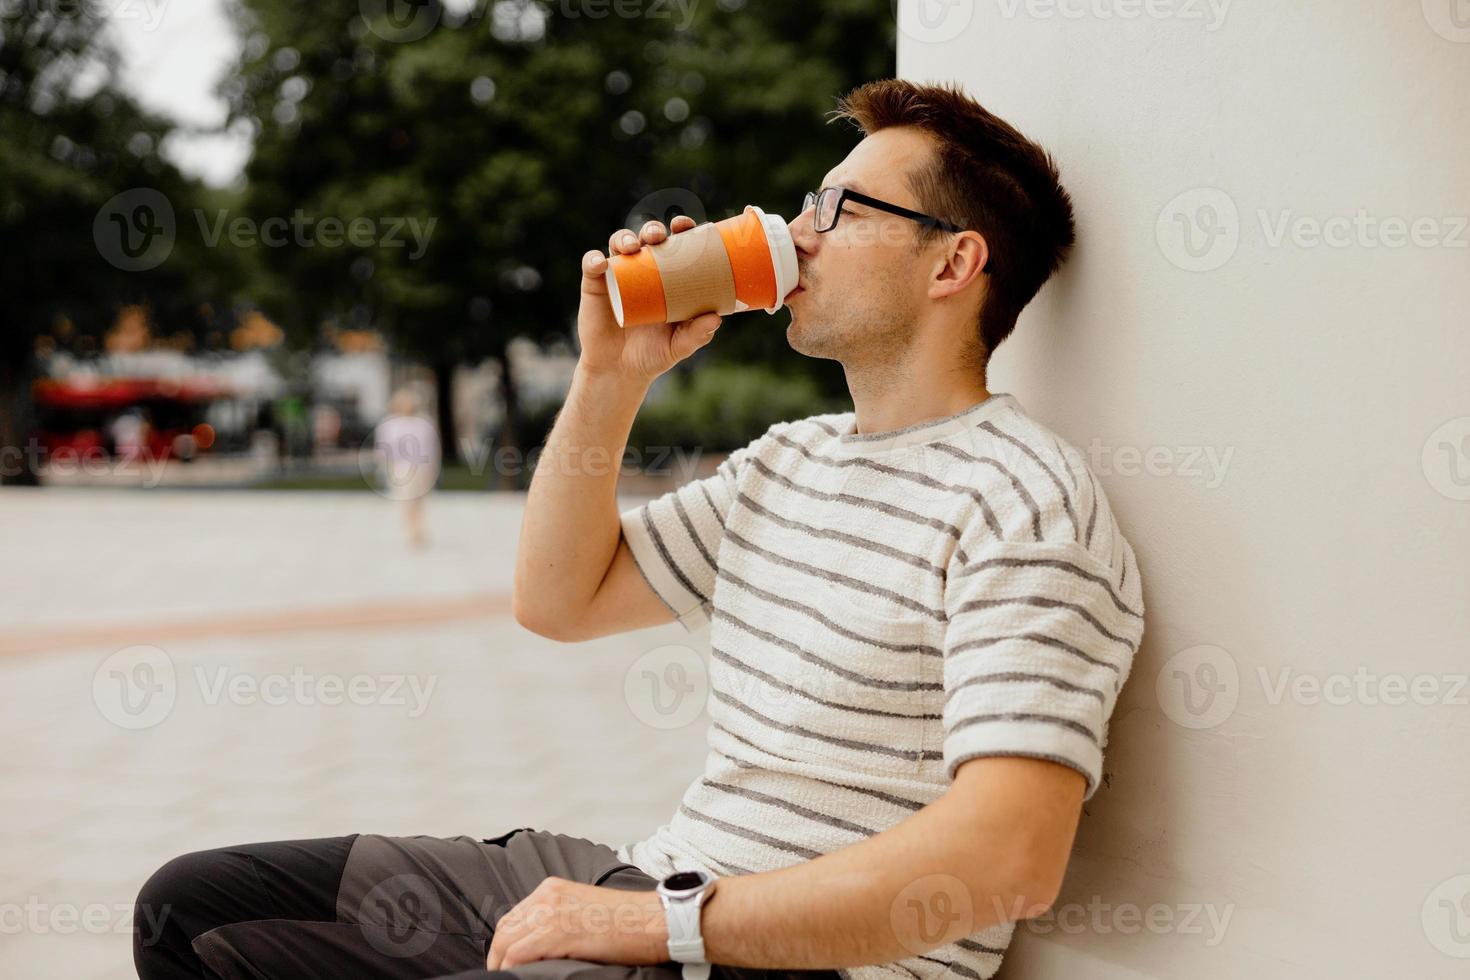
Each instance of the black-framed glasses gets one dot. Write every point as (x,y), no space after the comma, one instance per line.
(829,201)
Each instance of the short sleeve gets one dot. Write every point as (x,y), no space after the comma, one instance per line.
(1039,641)
(675,539)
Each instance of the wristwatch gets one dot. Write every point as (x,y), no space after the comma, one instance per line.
(683,893)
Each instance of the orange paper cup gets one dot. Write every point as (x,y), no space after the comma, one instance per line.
(754,267)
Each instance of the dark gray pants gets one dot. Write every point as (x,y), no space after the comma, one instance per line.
(368,906)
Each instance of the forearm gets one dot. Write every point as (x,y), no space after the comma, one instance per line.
(570,529)
(893,895)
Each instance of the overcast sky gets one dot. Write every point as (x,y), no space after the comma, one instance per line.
(174,51)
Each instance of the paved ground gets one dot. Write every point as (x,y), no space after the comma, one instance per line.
(186,670)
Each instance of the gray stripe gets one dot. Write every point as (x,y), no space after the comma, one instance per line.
(668,558)
(711,501)
(1018,675)
(1045,603)
(689,526)
(1034,716)
(836,577)
(830,430)
(1052,563)
(876,794)
(1016,483)
(1006,753)
(1123,577)
(774,682)
(789,807)
(1093,516)
(852,539)
(986,641)
(1066,463)
(908,755)
(959,967)
(923,479)
(759,748)
(792,604)
(1066,497)
(765,839)
(979,947)
(856,501)
(981,407)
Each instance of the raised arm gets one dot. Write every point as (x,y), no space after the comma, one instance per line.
(575,578)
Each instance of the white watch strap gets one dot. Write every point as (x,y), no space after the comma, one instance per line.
(685,943)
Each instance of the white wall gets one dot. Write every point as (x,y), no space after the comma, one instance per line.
(1332,835)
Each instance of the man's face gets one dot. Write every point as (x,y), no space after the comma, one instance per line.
(861,282)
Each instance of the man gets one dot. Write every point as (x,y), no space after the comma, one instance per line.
(922,613)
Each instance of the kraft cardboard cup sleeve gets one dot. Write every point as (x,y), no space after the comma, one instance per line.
(746,262)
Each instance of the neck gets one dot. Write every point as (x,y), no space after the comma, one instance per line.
(895,395)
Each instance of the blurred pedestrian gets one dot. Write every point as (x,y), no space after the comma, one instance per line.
(407,446)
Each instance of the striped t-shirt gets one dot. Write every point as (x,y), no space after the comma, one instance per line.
(882,607)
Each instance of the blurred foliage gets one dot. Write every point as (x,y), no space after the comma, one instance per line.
(527,131)
(70,141)
(723,406)
(517,133)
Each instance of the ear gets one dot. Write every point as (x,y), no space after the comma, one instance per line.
(958,264)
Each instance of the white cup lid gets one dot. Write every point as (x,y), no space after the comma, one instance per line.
(783,255)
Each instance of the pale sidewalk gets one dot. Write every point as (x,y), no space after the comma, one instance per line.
(245,723)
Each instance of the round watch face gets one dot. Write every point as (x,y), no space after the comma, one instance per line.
(684,880)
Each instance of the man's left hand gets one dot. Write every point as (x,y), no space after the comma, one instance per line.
(564,919)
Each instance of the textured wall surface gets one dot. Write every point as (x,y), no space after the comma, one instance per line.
(1262,339)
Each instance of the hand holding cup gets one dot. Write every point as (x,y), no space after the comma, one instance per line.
(640,352)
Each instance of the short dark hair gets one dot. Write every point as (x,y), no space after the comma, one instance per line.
(984,175)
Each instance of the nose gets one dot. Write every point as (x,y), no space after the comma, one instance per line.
(803,234)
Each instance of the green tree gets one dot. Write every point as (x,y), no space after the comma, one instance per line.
(70,144)
(527,131)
